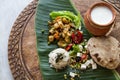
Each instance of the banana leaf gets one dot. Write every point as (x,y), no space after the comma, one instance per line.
(41,23)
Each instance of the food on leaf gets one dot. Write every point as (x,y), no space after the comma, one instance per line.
(77,37)
(62,28)
(80,58)
(68,47)
(58,58)
(67,15)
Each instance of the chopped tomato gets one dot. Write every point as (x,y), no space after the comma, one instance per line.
(69,46)
(84,56)
(77,37)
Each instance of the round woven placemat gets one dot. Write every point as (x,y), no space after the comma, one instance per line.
(22,53)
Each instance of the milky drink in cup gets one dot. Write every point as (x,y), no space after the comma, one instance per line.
(99,18)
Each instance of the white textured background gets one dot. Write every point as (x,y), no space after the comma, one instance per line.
(9,11)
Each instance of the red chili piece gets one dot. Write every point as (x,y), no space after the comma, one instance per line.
(69,46)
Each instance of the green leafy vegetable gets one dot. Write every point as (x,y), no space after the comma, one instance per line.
(67,14)
(75,49)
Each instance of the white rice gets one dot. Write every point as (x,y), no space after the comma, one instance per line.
(53,55)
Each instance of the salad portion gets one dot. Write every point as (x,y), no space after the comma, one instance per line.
(65,31)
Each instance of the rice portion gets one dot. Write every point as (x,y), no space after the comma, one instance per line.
(58,58)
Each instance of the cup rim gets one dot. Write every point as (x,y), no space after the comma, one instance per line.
(106,5)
